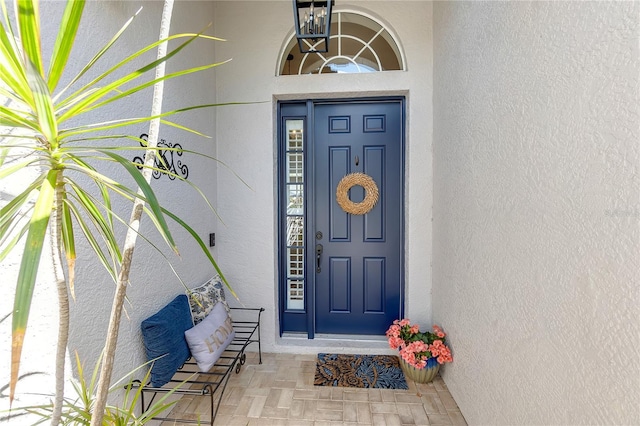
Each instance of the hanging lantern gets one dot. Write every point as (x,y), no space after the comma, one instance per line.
(313,25)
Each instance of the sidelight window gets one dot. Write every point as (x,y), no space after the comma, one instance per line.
(294,183)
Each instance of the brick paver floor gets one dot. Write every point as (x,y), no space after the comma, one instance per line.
(280,391)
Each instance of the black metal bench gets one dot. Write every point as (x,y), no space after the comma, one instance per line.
(211,384)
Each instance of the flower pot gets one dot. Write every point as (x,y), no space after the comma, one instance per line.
(421,375)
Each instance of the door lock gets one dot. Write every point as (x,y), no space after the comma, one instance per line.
(319,250)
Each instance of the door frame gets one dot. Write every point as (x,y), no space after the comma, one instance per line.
(305,111)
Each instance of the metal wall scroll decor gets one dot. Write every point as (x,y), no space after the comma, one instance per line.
(370,193)
(165,163)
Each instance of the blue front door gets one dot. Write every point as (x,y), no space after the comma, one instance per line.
(357,258)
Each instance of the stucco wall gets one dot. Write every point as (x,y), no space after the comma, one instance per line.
(537,209)
(153,283)
(246,142)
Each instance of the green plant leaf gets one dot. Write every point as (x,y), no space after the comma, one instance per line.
(114,124)
(105,229)
(8,226)
(9,170)
(9,118)
(43,104)
(89,87)
(187,181)
(64,42)
(144,148)
(203,247)
(96,57)
(28,271)
(18,201)
(29,24)
(12,215)
(77,410)
(186,129)
(128,193)
(12,71)
(150,196)
(69,243)
(86,168)
(150,83)
(89,235)
(82,106)
(8,246)
(134,138)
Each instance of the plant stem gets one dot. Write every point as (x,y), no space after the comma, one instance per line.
(132,232)
(63,298)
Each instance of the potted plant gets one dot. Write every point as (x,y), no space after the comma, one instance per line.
(421,353)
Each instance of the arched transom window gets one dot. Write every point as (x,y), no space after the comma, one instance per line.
(358,44)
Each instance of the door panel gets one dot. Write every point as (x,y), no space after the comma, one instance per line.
(374,285)
(340,294)
(373,221)
(358,276)
(339,220)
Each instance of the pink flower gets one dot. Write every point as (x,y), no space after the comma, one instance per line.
(404,322)
(407,355)
(414,329)
(437,347)
(445,356)
(393,331)
(439,331)
(442,352)
(418,346)
(395,342)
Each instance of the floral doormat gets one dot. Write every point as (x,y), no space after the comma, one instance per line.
(359,371)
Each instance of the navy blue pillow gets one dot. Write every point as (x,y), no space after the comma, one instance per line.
(163,334)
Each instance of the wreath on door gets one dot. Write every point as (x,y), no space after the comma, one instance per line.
(370,193)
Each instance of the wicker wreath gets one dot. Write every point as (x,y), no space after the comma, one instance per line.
(370,193)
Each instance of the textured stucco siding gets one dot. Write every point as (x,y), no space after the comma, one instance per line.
(537,209)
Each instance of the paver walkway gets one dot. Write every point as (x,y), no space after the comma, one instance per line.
(280,391)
